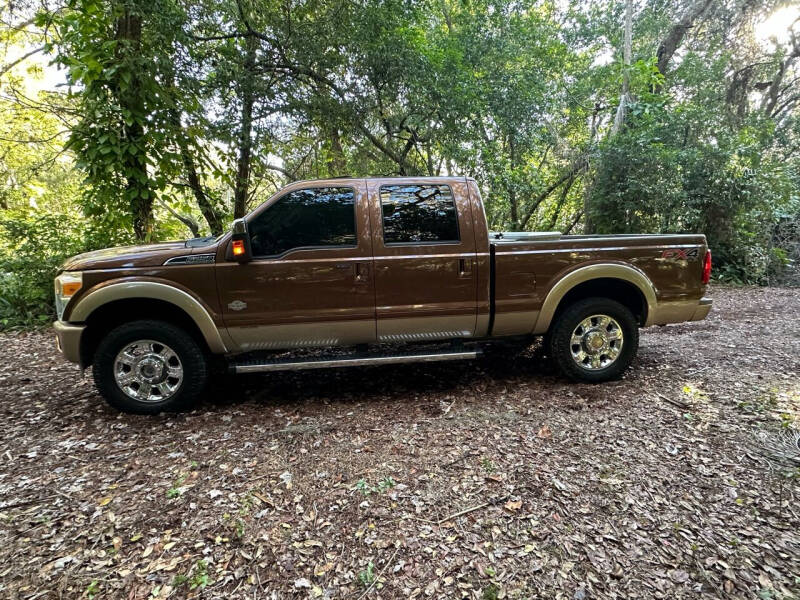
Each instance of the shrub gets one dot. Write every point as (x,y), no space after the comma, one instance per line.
(33,245)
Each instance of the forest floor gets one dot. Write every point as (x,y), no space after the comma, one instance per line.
(488,479)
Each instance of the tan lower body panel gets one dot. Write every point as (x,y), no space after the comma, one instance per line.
(68,339)
(415,329)
(514,323)
(303,335)
(680,311)
(702,310)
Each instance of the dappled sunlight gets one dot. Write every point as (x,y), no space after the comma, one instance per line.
(779,26)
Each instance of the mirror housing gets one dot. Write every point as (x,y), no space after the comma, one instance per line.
(240,242)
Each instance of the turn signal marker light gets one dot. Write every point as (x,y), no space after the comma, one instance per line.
(68,288)
(238,247)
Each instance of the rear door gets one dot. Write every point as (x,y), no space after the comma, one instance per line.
(425,251)
(310,281)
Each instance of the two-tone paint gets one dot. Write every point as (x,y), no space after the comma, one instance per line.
(479,287)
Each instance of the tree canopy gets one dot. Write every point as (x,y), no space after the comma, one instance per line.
(176,116)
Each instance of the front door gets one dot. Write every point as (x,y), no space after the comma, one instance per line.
(424,247)
(310,281)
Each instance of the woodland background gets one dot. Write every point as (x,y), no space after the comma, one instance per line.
(146,120)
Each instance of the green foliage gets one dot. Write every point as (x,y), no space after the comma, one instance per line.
(384,485)
(32,246)
(119,55)
(175,491)
(197,578)
(176,113)
(92,589)
(367,577)
(677,170)
(490,592)
(363,487)
(200,579)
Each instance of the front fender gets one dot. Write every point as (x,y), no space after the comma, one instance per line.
(130,289)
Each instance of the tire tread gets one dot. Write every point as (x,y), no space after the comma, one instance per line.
(560,333)
(195,366)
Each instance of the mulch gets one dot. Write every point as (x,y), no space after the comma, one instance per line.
(487,479)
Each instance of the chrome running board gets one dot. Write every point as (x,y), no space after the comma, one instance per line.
(361,360)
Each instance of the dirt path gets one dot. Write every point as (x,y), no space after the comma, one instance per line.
(491,479)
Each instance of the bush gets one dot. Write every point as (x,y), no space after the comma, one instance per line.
(32,247)
(727,186)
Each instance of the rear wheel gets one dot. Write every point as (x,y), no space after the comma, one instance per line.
(594,340)
(147,367)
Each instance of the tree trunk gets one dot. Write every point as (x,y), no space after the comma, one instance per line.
(336,162)
(771,97)
(619,119)
(213,217)
(137,189)
(512,192)
(242,184)
(588,223)
(672,41)
(560,204)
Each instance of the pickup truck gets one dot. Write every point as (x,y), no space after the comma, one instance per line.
(365,272)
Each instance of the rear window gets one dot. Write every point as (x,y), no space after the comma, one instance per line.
(418,213)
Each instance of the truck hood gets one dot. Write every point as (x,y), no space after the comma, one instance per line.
(147,255)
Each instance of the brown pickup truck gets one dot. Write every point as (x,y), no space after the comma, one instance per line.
(389,269)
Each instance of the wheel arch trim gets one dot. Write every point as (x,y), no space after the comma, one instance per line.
(151,290)
(580,275)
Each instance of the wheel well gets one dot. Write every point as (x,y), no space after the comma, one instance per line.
(622,291)
(111,315)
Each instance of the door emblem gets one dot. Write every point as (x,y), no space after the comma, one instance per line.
(237,305)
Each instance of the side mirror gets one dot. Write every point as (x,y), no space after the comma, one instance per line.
(240,242)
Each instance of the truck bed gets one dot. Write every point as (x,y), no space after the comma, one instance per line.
(526,267)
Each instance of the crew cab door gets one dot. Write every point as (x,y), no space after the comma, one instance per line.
(310,282)
(425,251)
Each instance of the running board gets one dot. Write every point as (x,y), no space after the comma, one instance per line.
(289,364)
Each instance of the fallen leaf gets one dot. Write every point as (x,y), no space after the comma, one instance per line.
(679,576)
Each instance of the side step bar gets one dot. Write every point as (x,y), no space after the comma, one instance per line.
(255,366)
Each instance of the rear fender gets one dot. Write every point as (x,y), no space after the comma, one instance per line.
(587,273)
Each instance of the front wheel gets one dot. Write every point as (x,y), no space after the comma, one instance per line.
(147,367)
(594,340)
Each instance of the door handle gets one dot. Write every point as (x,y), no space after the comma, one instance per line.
(464,266)
(361,272)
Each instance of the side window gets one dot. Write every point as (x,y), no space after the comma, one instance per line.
(418,213)
(311,217)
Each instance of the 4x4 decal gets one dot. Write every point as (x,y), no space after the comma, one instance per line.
(680,253)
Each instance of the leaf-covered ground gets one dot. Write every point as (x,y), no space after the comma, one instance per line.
(486,479)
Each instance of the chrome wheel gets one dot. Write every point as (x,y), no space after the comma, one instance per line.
(148,371)
(596,342)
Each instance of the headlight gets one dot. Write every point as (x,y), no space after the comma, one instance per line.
(67,285)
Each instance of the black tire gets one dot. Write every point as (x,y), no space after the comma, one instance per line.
(192,361)
(559,339)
